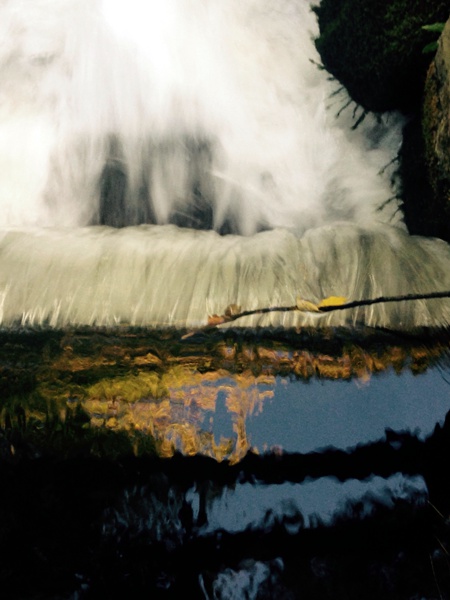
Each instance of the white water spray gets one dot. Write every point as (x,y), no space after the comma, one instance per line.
(183,105)
(205,114)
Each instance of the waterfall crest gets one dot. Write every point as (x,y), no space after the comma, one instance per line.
(164,276)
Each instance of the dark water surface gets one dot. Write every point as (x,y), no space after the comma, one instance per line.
(227,465)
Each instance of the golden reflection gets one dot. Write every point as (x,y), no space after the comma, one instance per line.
(178,408)
(188,396)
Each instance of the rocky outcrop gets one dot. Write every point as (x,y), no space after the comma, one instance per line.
(375,49)
(436,131)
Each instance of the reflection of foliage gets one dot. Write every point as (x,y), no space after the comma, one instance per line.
(145,388)
(151,511)
(134,526)
(128,387)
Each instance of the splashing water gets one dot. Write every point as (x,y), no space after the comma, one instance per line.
(121,120)
(205,113)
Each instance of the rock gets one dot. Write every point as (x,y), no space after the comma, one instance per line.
(436,131)
(374,48)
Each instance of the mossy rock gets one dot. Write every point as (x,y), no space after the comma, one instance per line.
(374,48)
(436,130)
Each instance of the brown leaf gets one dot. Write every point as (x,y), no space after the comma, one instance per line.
(214,320)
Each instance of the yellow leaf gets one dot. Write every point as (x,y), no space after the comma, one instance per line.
(305,305)
(332,301)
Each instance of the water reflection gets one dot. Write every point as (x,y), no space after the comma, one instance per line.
(223,395)
(250,506)
(230,468)
(303,418)
(224,414)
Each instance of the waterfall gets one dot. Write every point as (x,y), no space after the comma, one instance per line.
(160,160)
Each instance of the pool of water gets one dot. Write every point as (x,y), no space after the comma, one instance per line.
(308,417)
(231,465)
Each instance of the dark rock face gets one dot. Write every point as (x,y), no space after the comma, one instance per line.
(436,130)
(375,49)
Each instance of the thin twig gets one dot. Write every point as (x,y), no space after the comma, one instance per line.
(382,299)
(436,510)
(435,578)
(228,317)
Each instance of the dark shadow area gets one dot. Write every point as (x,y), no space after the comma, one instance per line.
(188,203)
(113,188)
(187,160)
(100,528)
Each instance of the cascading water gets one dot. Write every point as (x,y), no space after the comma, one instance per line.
(121,121)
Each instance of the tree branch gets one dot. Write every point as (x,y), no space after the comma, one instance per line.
(234,312)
